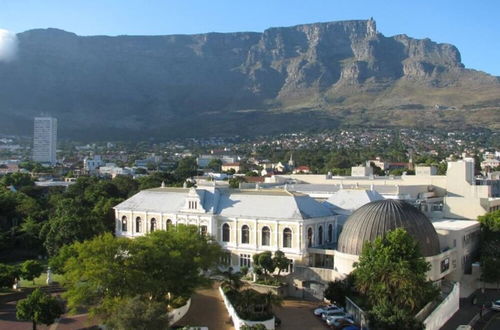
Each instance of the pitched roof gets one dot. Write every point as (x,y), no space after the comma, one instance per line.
(345,201)
(274,204)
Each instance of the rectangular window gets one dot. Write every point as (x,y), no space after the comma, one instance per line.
(225,259)
(245,260)
(445,265)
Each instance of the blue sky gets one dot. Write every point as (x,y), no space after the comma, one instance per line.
(472,26)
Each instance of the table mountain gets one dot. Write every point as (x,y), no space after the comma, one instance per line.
(311,76)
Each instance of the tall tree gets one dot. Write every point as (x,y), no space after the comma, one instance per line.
(39,307)
(31,269)
(281,261)
(392,272)
(8,275)
(161,266)
(490,247)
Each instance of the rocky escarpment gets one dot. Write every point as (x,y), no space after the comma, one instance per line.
(209,84)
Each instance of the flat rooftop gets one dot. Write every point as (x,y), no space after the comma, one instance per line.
(453,224)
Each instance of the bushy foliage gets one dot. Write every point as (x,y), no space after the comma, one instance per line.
(31,269)
(160,266)
(391,273)
(8,275)
(337,291)
(39,308)
(137,313)
(490,247)
(253,306)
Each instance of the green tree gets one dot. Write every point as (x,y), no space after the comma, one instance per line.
(232,280)
(126,185)
(259,326)
(215,164)
(392,272)
(265,261)
(8,275)
(186,168)
(138,313)
(235,182)
(39,308)
(58,261)
(490,247)
(280,261)
(72,221)
(31,269)
(161,266)
(337,291)
(30,235)
(18,180)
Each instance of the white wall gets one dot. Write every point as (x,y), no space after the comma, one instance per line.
(178,313)
(445,310)
(238,323)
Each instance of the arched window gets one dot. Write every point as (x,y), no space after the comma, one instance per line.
(138,225)
(226,231)
(124,223)
(266,236)
(309,237)
(169,224)
(320,235)
(245,234)
(330,233)
(203,230)
(153,224)
(287,238)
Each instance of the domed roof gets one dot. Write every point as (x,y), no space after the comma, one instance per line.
(379,217)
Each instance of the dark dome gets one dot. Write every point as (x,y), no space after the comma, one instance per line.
(377,218)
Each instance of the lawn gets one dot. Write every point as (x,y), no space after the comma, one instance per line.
(40,281)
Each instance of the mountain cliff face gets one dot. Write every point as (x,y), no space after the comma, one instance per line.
(310,76)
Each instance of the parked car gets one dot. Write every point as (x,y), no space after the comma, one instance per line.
(321,310)
(328,314)
(351,327)
(338,321)
(495,305)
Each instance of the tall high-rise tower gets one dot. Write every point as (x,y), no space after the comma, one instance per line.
(45,140)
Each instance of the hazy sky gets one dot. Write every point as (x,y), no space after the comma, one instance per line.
(472,26)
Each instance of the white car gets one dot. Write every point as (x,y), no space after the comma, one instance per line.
(495,305)
(328,314)
(338,320)
(321,310)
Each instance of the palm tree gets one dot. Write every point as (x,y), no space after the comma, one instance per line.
(232,279)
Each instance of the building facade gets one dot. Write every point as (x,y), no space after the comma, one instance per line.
(45,140)
(244,222)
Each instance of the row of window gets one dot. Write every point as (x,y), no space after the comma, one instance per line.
(153,225)
(245,232)
(265,235)
(310,236)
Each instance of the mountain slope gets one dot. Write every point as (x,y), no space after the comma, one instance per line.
(311,76)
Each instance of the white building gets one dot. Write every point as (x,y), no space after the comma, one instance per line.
(244,222)
(45,140)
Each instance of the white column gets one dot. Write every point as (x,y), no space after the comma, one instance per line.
(277,245)
(256,228)
(236,232)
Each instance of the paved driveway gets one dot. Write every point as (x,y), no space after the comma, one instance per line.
(8,320)
(298,315)
(207,309)
(494,322)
